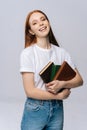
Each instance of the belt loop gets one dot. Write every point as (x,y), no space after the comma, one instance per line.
(41,102)
(56,101)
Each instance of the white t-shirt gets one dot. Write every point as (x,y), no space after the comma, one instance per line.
(34,58)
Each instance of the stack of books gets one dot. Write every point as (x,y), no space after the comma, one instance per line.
(52,72)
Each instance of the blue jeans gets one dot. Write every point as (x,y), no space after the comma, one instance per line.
(42,115)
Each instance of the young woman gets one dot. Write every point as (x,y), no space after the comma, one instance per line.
(44,105)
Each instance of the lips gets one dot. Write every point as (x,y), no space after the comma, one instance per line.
(43,28)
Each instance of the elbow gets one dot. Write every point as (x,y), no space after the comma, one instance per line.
(29,94)
(81,82)
(79,79)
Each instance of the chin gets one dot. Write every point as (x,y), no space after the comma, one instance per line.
(44,34)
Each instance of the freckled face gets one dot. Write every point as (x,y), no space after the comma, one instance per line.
(39,25)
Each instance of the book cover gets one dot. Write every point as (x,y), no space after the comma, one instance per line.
(49,71)
(65,72)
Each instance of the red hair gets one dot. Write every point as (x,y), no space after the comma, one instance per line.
(31,39)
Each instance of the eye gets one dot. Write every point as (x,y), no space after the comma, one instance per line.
(34,23)
(43,18)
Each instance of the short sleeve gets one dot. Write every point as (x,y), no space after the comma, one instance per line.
(68,58)
(27,61)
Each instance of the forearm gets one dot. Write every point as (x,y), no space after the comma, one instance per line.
(72,83)
(37,93)
(32,91)
(45,95)
(75,82)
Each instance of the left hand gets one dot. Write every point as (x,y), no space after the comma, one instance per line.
(55,86)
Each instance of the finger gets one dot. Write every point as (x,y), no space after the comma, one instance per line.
(50,83)
(51,89)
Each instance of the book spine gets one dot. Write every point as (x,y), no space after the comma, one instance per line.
(58,72)
(55,69)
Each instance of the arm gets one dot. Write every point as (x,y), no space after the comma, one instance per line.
(56,85)
(75,82)
(36,93)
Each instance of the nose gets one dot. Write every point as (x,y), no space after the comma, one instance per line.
(41,23)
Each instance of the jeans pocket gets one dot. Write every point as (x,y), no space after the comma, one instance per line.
(32,106)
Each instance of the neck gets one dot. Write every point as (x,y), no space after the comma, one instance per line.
(44,43)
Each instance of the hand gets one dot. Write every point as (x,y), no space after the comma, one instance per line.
(64,94)
(55,86)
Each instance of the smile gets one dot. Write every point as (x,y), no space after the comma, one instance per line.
(43,28)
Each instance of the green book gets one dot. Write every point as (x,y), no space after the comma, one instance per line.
(54,70)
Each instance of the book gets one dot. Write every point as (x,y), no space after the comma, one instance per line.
(49,71)
(54,70)
(62,72)
(66,72)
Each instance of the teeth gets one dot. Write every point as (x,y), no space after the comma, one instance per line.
(43,28)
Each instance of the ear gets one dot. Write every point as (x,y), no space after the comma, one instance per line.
(31,32)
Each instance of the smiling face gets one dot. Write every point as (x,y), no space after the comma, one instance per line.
(39,25)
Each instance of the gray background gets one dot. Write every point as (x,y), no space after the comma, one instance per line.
(68,19)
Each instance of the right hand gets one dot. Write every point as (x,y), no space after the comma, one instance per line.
(55,86)
(63,94)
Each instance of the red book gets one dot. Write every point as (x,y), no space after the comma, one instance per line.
(65,72)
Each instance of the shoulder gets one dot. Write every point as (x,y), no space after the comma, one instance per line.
(27,50)
(59,49)
(27,60)
(27,54)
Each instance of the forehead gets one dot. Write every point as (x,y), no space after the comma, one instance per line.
(36,16)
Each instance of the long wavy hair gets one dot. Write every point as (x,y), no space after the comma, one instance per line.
(31,39)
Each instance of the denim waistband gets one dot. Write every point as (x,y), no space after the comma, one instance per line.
(43,102)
